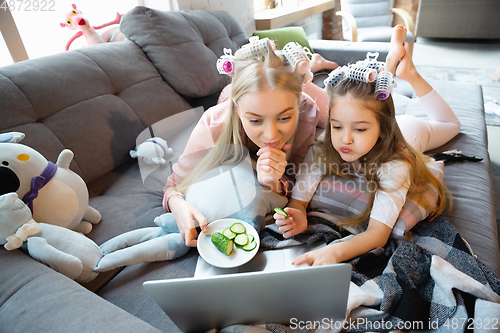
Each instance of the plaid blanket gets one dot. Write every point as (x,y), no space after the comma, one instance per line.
(431,281)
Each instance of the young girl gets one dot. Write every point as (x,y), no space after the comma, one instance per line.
(365,136)
(267,113)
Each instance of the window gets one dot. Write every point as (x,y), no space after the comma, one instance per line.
(5,57)
(38,22)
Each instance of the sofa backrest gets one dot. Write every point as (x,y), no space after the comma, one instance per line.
(94,101)
(185,45)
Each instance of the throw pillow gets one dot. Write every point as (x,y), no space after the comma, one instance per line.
(282,36)
(343,197)
(184,45)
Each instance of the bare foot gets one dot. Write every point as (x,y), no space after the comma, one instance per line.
(318,63)
(397,50)
(406,69)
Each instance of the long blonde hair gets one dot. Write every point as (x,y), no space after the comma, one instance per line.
(390,146)
(268,72)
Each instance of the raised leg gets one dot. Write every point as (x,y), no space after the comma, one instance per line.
(397,50)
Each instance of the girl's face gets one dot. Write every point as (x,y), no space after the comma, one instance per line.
(269,118)
(355,129)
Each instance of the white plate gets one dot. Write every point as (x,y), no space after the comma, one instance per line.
(214,257)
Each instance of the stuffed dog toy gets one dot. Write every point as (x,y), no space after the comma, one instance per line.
(54,194)
(66,251)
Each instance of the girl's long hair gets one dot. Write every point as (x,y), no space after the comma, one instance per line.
(263,73)
(390,146)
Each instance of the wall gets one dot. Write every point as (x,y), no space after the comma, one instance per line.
(411,6)
(241,10)
(332,24)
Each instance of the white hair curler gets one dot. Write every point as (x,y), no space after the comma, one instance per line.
(384,85)
(335,76)
(256,47)
(372,62)
(363,74)
(225,64)
(297,56)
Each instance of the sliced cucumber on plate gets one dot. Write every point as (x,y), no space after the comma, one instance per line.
(238,228)
(224,244)
(228,233)
(235,234)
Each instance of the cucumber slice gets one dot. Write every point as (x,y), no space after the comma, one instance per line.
(238,228)
(250,238)
(250,246)
(281,211)
(228,233)
(241,240)
(224,244)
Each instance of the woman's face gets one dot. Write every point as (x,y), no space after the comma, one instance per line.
(355,129)
(269,118)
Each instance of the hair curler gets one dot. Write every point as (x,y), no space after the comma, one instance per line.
(384,85)
(256,47)
(297,56)
(372,62)
(363,74)
(225,64)
(335,76)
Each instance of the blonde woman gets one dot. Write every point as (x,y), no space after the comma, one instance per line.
(266,113)
(366,139)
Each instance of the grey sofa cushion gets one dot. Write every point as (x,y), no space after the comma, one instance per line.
(38,299)
(185,45)
(473,211)
(89,100)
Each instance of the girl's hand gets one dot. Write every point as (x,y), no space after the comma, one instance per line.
(294,224)
(271,164)
(187,217)
(322,256)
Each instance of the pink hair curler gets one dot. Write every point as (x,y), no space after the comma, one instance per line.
(225,64)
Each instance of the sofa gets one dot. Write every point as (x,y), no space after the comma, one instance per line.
(97,100)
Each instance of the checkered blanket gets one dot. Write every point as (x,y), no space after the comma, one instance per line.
(432,281)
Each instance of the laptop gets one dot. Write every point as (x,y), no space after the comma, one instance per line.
(279,294)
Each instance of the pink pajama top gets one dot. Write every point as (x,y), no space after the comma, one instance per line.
(208,129)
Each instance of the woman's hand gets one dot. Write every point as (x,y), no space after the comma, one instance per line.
(294,224)
(322,256)
(187,217)
(271,164)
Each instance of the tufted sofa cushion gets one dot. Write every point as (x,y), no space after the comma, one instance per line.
(184,46)
(89,100)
